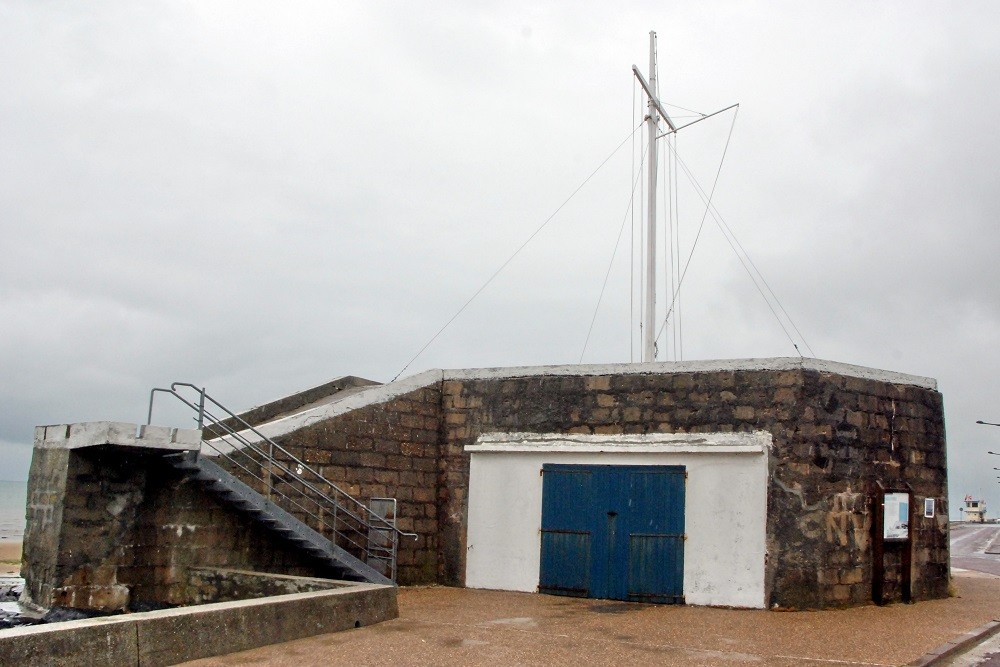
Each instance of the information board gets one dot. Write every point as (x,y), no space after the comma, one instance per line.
(896,516)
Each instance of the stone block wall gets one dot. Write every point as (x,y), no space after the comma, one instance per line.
(43,529)
(835,437)
(838,437)
(128,528)
(179,526)
(387,449)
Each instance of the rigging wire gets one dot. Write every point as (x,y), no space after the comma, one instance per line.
(678,320)
(668,236)
(630,207)
(515,254)
(737,248)
(701,225)
(771,292)
(631,289)
(642,254)
(697,114)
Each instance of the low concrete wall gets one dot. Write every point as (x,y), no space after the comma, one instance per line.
(167,637)
(215,584)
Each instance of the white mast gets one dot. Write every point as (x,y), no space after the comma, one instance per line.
(656,112)
(652,127)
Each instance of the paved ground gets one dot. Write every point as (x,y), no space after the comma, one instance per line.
(976,549)
(971,544)
(447,626)
(986,654)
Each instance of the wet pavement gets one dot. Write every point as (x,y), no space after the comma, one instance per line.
(971,547)
(975,549)
(986,654)
(450,626)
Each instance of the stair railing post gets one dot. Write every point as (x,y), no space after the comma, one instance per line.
(270,466)
(395,547)
(201,408)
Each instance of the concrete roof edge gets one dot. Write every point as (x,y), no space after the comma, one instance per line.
(700,366)
(730,442)
(381,393)
(386,392)
(95,434)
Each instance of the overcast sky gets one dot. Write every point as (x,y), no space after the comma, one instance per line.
(262,198)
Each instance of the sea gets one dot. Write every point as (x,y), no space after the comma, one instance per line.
(13,499)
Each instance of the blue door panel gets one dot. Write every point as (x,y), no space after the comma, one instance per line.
(565,568)
(614,532)
(566,532)
(656,568)
(656,534)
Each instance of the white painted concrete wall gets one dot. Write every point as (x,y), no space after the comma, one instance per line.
(725,506)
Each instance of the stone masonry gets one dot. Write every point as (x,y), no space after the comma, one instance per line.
(114,527)
(839,432)
(836,436)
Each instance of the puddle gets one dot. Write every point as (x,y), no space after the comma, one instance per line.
(517,622)
(615,607)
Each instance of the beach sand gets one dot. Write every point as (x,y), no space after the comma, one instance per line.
(10,557)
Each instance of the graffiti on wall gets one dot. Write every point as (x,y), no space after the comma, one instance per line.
(849,520)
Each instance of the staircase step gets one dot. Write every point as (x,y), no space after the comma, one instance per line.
(235,493)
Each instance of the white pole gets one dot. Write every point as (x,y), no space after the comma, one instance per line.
(652,125)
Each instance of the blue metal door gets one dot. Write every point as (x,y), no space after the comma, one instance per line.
(613,532)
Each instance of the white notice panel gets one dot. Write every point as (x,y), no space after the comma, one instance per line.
(896,516)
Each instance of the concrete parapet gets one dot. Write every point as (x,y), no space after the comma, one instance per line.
(95,434)
(91,641)
(167,637)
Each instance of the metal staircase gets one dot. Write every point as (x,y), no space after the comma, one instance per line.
(257,476)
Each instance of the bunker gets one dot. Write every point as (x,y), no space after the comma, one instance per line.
(787,482)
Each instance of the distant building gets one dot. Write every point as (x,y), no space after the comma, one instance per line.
(975,510)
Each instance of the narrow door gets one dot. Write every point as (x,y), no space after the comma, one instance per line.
(656,534)
(566,532)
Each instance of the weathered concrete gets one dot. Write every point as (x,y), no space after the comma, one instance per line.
(77,517)
(216,584)
(150,639)
(300,401)
(96,434)
(85,643)
(112,528)
(175,635)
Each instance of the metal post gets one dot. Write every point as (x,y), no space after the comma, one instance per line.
(201,408)
(652,124)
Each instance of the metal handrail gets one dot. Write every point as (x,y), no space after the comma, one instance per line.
(356,518)
(245,441)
